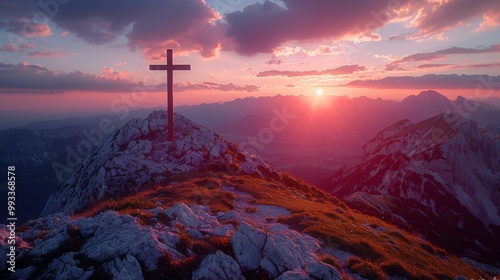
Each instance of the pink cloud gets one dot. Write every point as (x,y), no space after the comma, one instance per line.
(274,61)
(434,65)
(440,54)
(394,37)
(491,20)
(64,34)
(31,29)
(8,47)
(457,66)
(214,86)
(483,65)
(342,70)
(430,81)
(439,16)
(107,72)
(51,54)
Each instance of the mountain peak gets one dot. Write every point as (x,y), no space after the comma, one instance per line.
(431,93)
(425,105)
(139,154)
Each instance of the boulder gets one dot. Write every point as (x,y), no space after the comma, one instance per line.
(184,215)
(287,249)
(127,268)
(248,243)
(218,266)
(294,275)
(323,271)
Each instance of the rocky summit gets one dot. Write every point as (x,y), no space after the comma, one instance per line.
(137,154)
(200,207)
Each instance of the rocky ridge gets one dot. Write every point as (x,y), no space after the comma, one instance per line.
(441,171)
(119,246)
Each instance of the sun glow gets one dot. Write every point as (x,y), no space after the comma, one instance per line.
(319,92)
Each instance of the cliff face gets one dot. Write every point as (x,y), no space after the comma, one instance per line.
(441,175)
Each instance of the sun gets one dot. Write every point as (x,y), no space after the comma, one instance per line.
(319,92)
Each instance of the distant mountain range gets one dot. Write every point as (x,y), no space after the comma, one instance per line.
(308,136)
(326,131)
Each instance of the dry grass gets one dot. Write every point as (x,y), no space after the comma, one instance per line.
(365,269)
(330,260)
(313,211)
(193,191)
(173,269)
(341,227)
(251,209)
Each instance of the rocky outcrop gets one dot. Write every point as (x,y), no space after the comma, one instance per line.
(121,247)
(218,266)
(138,154)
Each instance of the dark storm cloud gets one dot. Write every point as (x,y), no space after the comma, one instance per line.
(150,26)
(262,27)
(34,77)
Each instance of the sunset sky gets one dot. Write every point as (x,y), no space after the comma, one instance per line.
(71,56)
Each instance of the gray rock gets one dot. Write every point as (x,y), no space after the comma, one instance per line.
(248,243)
(294,275)
(288,250)
(323,271)
(218,266)
(124,269)
(65,267)
(184,215)
(116,235)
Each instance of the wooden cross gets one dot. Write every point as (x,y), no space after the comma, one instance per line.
(170,67)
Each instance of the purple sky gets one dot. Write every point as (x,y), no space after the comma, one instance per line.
(68,55)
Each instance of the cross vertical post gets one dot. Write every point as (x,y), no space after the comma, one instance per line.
(170,67)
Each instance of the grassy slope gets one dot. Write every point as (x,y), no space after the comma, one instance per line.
(391,250)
